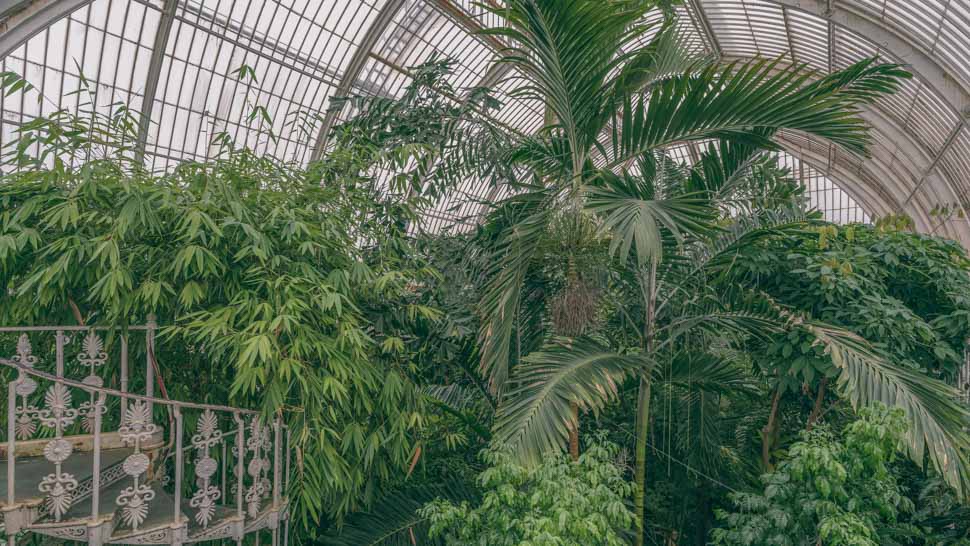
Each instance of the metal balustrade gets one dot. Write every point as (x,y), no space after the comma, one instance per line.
(91,463)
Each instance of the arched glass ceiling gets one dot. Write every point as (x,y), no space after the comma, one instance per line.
(172,61)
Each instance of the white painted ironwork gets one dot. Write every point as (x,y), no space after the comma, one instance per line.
(137,428)
(205,498)
(257,444)
(60,491)
(25,415)
(93,356)
(58,487)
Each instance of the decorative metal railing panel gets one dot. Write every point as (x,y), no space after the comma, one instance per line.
(25,414)
(207,495)
(257,445)
(92,356)
(136,429)
(141,481)
(58,487)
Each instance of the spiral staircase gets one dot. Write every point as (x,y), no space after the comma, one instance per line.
(99,465)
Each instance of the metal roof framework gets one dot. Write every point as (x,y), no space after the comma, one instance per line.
(172,61)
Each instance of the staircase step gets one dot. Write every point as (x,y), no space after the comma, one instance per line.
(78,517)
(106,505)
(161,517)
(31,470)
(220,525)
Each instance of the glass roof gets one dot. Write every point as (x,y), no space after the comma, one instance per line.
(172,61)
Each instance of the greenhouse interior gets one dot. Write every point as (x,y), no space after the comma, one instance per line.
(485,272)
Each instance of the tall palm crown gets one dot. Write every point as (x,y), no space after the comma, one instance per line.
(585,61)
(613,105)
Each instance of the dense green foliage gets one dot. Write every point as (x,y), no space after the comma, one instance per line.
(738,350)
(837,491)
(556,503)
(256,271)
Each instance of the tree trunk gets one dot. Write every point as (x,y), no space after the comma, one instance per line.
(817,409)
(643,406)
(704,528)
(574,432)
(767,433)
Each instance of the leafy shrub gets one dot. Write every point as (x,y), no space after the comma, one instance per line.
(559,502)
(837,491)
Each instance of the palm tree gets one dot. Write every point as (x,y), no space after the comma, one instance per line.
(613,105)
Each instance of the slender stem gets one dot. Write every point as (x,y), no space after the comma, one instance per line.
(76,311)
(643,402)
(59,354)
(817,409)
(96,468)
(149,369)
(12,441)
(240,454)
(767,432)
(277,468)
(179,466)
(643,426)
(124,372)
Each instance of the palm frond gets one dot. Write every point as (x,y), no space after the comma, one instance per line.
(706,372)
(724,164)
(937,421)
(713,319)
(745,232)
(571,52)
(505,279)
(455,396)
(665,56)
(744,102)
(535,417)
(635,215)
(702,385)
(549,156)
(394,520)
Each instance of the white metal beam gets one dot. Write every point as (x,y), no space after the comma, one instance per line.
(357,62)
(26,18)
(154,73)
(919,61)
(936,160)
(697,8)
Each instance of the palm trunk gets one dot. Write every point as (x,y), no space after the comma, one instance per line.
(550,118)
(643,406)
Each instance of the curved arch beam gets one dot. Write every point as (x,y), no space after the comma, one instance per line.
(154,73)
(920,61)
(873,198)
(907,199)
(931,72)
(874,202)
(356,65)
(26,18)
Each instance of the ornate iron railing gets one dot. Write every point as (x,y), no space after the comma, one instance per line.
(90,463)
